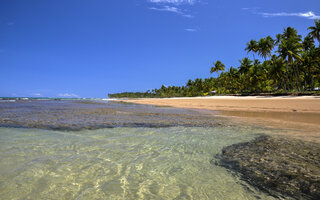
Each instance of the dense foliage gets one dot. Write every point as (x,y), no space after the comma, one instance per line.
(288,63)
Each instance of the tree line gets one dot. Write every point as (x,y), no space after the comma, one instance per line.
(285,64)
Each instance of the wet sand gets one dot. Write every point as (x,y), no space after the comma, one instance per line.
(229,103)
(300,115)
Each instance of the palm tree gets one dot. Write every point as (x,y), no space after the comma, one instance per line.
(276,71)
(233,77)
(310,64)
(189,83)
(245,65)
(290,49)
(270,45)
(315,30)
(290,32)
(278,38)
(252,46)
(265,47)
(308,43)
(254,77)
(217,66)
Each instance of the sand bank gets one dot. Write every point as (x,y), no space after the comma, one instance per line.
(230,103)
(295,113)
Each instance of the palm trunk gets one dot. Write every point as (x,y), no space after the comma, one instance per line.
(297,79)
(287,75)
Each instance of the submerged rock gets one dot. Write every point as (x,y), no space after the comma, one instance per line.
(277,165)
(78,115)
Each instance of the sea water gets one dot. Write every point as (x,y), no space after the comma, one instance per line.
(149,153)
(121,163)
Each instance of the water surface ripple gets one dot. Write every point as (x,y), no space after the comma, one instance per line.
(120,163)
(63,151)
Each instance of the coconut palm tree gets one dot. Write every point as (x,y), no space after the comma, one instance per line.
(290,50)
(310,65)
(252,46)
(265,47)
(233,78)
(290,32)
(315,30)
(217,66)
(278,38)
(245,65)
(308,43)
(277,72)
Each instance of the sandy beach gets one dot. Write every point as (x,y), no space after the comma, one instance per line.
(293,113)
(305,104)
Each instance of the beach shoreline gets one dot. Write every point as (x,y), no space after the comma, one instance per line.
(299,115)
(306,104)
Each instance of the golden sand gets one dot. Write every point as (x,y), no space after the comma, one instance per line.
(300,115)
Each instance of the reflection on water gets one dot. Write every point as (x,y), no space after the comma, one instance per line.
(303,126)
(120,163)
(310,118)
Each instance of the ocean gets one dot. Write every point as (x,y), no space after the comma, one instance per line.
(79,149)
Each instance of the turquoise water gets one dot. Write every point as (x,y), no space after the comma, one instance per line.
(121,163)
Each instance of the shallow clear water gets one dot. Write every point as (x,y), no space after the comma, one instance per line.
(121,163)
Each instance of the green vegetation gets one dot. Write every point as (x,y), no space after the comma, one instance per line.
(287,64)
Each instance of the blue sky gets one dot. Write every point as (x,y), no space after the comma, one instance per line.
(89,48)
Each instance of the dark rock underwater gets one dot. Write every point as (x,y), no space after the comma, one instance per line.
(278,165)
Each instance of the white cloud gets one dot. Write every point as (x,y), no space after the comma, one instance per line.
(251,9)
(172,6)
(191,30)
(308,15)
(172,9)
(168,9)
(174,1)
(67,95)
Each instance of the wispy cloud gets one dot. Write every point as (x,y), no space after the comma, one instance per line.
(173,6)
(68,95)
(171,9)
(307,15)
(251,9)
(168,9)
(174,1)
(191,30)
